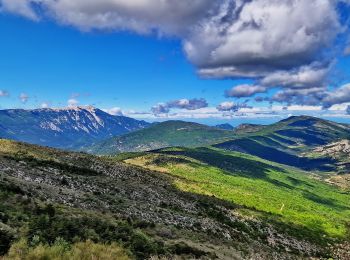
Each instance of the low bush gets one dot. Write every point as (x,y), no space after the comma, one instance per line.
(61,250)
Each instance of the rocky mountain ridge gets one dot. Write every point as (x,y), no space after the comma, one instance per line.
(68,128)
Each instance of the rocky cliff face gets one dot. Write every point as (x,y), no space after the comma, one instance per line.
(70,128)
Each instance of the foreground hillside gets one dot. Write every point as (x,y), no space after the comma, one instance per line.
(285,195)
(166,134)
(69,128)
(59,202)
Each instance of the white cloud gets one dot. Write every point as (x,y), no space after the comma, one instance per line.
(114,111)
(339,107)
(160,108)
(284,43)
(303,108)
(227,38)
(72,102)
(255,38)
(337,96)
(23,97)
(306,76)
(186,104)
(304,96)
(230,110)
(229,106)
(226,106)
(19,7)
(141,16)
(245,90)
(4,93)
(347,51)
(45,105)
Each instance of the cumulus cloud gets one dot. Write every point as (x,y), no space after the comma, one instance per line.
(306,96)
(19,7)
(141,16)
(187,104)
(245,90)
(228,38)
(160,108)
(229,106)
(261,99)
(275,43)
(72,102)
(337,96)
(115,111)
(255,38)
(347,51)
(45,105)
(23,97)
(4,93)
(306,76)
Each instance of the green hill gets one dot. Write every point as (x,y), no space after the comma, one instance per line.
(285,142)
(166,134)
(189,203)
(264,190)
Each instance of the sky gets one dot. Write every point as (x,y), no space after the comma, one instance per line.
(200,60)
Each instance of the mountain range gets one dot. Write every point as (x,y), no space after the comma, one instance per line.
(69,128)
(289,141)
(174,189)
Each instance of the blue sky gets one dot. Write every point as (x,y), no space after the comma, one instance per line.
(137,58)
(53,63)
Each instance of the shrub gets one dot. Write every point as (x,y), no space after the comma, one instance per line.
(5,241)
(60,250)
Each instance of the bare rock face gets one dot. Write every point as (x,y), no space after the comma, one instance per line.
(335,149)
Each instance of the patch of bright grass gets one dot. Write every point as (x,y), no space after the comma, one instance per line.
(284,194)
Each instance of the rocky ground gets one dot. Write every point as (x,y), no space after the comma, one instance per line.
(104,185)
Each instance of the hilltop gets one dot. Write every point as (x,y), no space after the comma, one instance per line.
(165,134)
(287,140)
(225,126)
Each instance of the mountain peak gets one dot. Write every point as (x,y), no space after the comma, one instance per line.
(91,109)
(301,117)
(70,127)
(225,126)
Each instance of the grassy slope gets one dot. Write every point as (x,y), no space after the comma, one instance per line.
(286,195)
(46,194)
(283,142)
(166,134)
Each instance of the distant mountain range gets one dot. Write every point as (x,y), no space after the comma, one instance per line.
(225,126)
(161,135)
(234,187)
(70,128)
(290,141)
